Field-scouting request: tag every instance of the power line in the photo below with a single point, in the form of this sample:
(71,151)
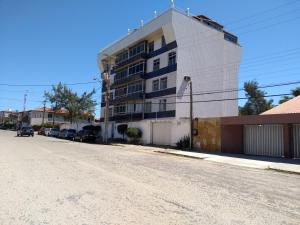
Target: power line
(229,90)
(265,19)
(262,12)
(45,85)
(211,100)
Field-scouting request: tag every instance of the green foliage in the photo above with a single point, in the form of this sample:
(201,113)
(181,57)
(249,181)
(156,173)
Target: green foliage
(134,134)
(256,102)
(46,125)
(122,128)
(78,106)
(183,143)
(294,92)
(9,126)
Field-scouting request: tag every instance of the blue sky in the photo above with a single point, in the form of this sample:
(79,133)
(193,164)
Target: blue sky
(44,42)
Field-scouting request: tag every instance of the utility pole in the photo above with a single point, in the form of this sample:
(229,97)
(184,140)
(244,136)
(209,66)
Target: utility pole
(188,79)
(24,107)
(191,116)
(44,109)
(105,77)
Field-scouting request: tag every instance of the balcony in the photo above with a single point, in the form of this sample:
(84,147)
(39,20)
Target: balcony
(128,79)
(128,97)
(140,56)
(162,114)
(127,117)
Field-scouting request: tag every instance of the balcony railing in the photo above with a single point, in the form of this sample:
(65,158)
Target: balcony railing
(128,97)
(127,117)
(130,60)
(128,79)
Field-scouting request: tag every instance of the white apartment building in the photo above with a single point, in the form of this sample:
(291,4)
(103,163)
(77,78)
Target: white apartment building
(147,72)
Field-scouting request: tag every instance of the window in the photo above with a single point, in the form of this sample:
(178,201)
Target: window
(134,107)
(151,47)
(155,85)
(120,109)
(135,87)
(136,68)
(121,57)
(163,41)
(172,58)
(148,107)
(156,63)
(121,74)
(49,115)
(162,105)
(140,48)
(163,83)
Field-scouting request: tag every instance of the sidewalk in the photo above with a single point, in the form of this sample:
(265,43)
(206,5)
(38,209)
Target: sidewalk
(257,162)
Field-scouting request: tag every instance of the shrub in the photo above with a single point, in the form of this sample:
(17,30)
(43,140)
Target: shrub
(183,143)
(134,134)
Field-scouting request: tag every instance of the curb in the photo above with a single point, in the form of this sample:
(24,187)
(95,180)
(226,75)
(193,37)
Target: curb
(254,167)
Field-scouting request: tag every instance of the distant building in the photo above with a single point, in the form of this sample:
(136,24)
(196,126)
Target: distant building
(147,80)
(8,116)
(39,116)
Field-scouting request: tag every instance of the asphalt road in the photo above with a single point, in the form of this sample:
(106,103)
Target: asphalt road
(50,181)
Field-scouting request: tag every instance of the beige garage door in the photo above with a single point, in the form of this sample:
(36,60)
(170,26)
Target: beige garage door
(296,140)
(266,140)
(161,133)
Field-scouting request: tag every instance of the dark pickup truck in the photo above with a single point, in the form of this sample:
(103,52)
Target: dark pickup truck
(25,131)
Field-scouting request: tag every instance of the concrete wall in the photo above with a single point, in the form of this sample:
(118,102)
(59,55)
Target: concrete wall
(179,128)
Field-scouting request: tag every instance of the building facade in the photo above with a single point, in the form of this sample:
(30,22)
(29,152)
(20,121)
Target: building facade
(39,116)
(147,70)
(8,116)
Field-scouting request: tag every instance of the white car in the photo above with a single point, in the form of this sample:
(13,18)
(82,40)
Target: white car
(47,131)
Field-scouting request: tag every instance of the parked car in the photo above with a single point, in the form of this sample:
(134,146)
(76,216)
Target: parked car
(62,133)
(2,127)
(47,131)
(85,136)
(28,131)
(54,132)
(41,131)
(70,134)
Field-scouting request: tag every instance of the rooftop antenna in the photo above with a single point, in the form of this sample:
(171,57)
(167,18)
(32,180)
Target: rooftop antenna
(172,4)
(142,23)
(155,13)
(188,11)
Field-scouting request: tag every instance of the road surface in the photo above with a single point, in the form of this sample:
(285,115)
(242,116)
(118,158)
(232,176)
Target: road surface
(50,181)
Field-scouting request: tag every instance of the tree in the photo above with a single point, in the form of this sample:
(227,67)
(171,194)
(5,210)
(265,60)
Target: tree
(122,128)
(294,92)
(256,102)
(78,107)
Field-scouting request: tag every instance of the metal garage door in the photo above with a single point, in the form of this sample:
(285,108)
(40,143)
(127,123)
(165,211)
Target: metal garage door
(266,140)
(296,140)
(161,133)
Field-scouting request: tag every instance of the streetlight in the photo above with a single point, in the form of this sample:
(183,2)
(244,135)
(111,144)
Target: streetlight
(189,81)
